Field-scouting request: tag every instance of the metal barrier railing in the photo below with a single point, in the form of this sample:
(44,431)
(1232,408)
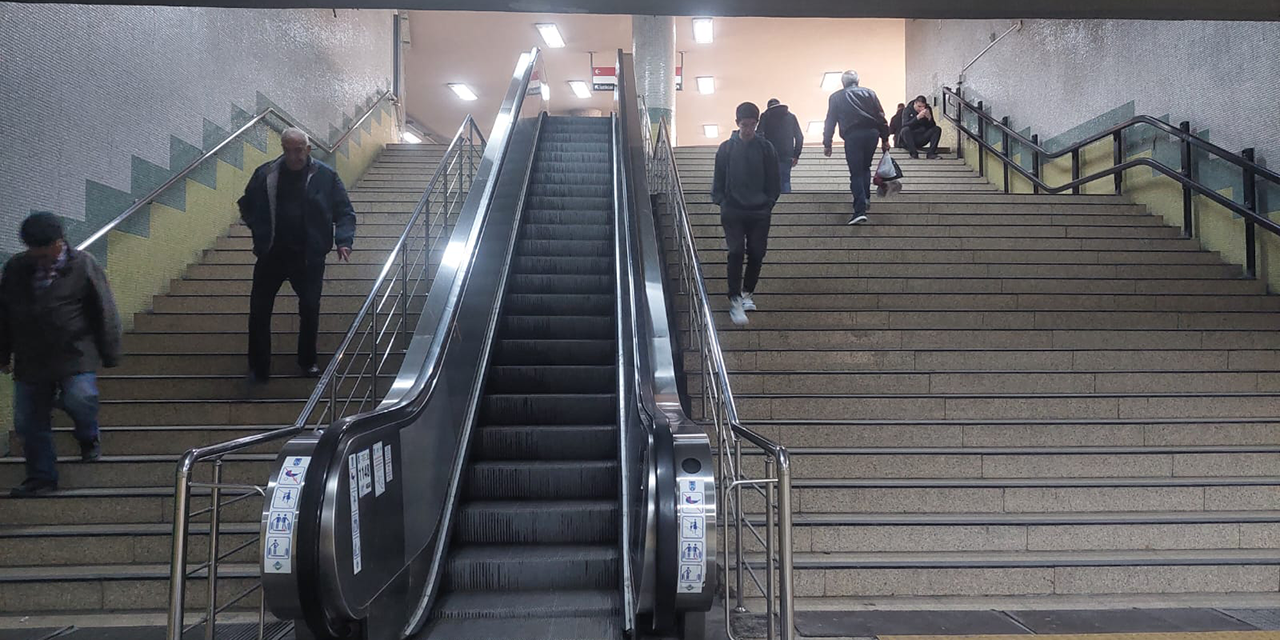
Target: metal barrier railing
(350,384)
(718,412)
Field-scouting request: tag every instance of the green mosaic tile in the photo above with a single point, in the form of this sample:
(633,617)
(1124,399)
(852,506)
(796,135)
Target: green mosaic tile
(255,137)
(146,177)
(181,155)
(232,154)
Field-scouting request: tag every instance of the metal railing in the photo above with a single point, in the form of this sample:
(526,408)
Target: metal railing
(350,383)
(718,412)
(955,109)
(150,198)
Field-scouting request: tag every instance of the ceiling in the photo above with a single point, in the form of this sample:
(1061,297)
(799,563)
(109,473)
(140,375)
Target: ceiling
(1121,9)
(751,59)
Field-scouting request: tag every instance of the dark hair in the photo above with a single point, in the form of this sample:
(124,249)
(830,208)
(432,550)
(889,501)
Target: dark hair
(41,229)
(922,99)
(747,111)
(901,105)
(773,102)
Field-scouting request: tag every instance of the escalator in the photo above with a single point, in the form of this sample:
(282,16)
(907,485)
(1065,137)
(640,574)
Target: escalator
(536,552)
(530,474)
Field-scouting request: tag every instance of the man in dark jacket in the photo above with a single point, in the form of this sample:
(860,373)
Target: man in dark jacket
(297,210)
(861,119)
(782,129)
(746,186)
(919,129)
(58,324)
(895,125)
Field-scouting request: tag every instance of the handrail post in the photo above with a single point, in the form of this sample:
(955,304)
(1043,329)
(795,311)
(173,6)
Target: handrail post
(1188,223)
(1035,163)
(1117,153)
(1004,151)
(1250,228)
(1075,170)
(787,592)
(215,506)
(769,563)
(178,559)
(982,137)
(959,122)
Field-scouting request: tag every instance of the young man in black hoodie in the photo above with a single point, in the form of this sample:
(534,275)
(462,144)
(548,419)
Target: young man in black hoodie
(782,129)
(746,186)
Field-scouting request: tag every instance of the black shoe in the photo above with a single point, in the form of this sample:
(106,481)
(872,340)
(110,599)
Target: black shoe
(311,372)
(932,156)
(915,156)
(90,450)
(34,489)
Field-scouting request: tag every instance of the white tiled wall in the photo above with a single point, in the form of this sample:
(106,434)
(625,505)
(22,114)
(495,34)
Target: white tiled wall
(83,89)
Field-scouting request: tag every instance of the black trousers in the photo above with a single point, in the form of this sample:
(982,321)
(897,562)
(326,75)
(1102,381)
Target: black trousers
(859,151)
(914,141)
(747,234)
(307,279)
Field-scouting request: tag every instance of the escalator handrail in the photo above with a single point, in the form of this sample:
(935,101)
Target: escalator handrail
(408,394)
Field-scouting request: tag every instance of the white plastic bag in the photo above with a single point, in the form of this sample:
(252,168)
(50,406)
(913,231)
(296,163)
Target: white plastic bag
(888,169)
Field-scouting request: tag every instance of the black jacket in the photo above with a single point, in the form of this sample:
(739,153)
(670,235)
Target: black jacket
(911,120)
(746,177)
(781,127)
(853,108)
(71,327)
(328,217)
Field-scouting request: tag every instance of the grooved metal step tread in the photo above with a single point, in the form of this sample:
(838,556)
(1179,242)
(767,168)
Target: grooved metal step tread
(1034,519)
(534,628)
(516,604)
(514,552)
(969,560)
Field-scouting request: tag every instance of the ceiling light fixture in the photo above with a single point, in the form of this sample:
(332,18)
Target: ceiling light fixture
(463,91)
(409,137)
(816,127)
(831,80)
(711,130)
(703,32)
(706,85)
(580,89)
(551,35)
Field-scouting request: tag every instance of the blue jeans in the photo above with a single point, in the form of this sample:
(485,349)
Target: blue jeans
(33,404)
(859,150)
(784,171)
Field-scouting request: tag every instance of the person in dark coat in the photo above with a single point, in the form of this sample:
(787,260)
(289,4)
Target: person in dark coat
(746,185)
(58,325)
(858,112)
(919,129)
(782,129)
(895,125)
(297,210)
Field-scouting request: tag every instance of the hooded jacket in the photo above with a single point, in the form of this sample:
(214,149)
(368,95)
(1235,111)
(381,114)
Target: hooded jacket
(781,127)
(328,218)
(68,328)
(746,179)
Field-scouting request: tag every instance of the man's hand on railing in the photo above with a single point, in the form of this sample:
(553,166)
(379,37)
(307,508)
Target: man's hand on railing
(344,254)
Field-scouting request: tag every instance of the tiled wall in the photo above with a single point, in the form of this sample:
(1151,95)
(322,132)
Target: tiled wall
(1068,79)
(102,104)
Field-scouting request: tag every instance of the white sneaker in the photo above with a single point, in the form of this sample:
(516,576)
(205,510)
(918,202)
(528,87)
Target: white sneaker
(736,313)
(748,302)
(857,219)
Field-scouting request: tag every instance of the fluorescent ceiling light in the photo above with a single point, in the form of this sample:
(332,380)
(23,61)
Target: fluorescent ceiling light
(580,89)
(551,35)
(706,85)
(711,130)
(546,92)
(703,33)
(463,91)
(408,136)
(831,80)
(816,126)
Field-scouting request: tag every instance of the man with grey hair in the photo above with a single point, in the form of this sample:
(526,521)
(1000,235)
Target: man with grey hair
(297,210)
(861,118)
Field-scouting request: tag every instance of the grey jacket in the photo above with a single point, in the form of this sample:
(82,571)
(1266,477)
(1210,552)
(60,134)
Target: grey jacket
(71,327)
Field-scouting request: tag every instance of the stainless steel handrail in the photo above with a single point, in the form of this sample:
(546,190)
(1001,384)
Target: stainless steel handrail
(461,153)
(718,407)
(150,198)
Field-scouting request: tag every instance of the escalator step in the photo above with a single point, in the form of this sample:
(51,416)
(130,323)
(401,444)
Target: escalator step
(545,216)
(569,248)
(557,146)
(582,173)
(549,409)
(559,304)
(577,351)
(547,442)
(533,567)
(575,232)
(551,379)
(543,480)
(529,604)
(572,191)
(598,138)
(538,522)
(585,283)
(592,161)
(557,328)
(597,203)
(551,628)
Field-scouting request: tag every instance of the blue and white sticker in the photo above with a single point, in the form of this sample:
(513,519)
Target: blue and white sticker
(277,551)
(386,453)
(365,468)
(693,536)
(379,471)
(354,482)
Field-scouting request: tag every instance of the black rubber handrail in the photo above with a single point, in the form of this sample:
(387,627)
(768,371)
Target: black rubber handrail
(1183,175)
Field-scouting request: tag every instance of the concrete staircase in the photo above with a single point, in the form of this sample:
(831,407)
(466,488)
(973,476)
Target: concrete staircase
(1007,399)
(103,542)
